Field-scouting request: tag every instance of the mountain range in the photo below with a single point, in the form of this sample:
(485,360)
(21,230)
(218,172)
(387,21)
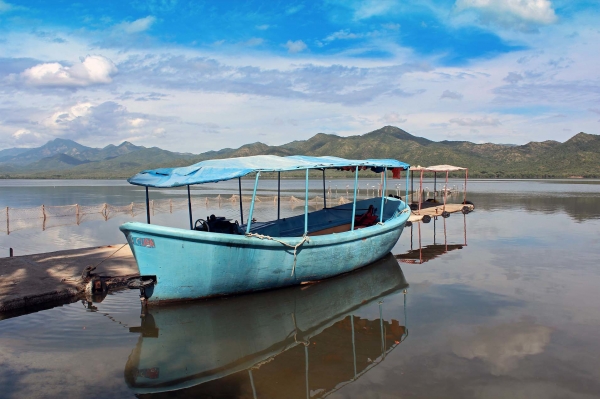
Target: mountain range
(61,158)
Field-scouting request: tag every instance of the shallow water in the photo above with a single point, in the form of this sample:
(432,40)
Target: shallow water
(513,313)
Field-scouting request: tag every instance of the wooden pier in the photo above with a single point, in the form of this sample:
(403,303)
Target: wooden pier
(433,211)
(56,277)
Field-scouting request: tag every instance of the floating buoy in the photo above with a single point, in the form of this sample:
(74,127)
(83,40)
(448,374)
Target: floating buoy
(465,210)
(426,219)
(445,214)
(408,224)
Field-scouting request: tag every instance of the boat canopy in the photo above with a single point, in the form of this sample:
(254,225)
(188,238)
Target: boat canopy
(443,168)
(216,170)
(437,168)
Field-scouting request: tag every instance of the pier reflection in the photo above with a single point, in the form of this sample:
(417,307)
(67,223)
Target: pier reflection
(425,253)
(299,342)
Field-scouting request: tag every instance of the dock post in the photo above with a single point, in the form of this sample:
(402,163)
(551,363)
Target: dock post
(10,252)
(7,222)
(77,214)
(278,195)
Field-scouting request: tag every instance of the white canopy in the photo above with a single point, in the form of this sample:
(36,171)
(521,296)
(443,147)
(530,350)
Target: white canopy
(442,168)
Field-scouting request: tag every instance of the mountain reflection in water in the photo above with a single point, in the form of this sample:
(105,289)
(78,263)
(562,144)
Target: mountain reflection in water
(297,342)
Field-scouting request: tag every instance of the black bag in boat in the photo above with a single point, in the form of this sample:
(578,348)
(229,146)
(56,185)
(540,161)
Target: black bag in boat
(217,224)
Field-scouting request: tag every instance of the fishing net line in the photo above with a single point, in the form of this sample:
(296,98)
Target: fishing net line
(265,208)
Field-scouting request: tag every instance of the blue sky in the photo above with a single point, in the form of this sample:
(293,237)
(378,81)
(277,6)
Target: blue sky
(196,76)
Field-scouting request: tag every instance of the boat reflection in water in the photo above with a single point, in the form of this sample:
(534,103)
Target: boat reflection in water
(296,342)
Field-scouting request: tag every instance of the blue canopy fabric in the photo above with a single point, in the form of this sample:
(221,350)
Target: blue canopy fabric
(216,170)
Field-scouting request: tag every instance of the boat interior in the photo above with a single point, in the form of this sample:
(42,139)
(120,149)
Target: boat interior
(329,220)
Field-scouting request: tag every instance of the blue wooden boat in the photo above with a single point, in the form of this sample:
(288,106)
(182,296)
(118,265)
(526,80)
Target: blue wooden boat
(271,344)
(215,258)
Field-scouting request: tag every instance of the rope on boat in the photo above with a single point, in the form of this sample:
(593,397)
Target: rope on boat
(305,238)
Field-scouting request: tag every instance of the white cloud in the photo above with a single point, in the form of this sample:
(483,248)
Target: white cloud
(371,8)
(391,26)
(502,346)
(137,26)
(392,117)
(95,69)
(518,14)
(24,137)
(255,41)
(5,7)
(343,34)
(295,47)
(263,27)
(485,121)
(452,95)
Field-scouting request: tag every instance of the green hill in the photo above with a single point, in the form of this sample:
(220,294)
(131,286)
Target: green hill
(578,156)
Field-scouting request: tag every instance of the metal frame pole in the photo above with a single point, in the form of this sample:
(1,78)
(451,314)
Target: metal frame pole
(147,206)
(353,343)
(324,191)
(252,383)
(412,185)
(278,195)
(383,194)
(190,208)
(446,191)
(434,184)
(407,176)
(241,207)
(306,205)
(249,224)
(354,202)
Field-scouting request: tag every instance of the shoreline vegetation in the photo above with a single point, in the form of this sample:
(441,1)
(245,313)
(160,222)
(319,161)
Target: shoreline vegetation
(576,158)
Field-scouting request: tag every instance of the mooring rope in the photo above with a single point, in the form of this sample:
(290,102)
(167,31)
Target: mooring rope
(109,256)
(305,238)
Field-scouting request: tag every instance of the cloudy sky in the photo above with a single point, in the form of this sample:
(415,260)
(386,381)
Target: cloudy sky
(201,75)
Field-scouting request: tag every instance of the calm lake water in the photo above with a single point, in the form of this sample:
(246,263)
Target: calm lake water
(503,302)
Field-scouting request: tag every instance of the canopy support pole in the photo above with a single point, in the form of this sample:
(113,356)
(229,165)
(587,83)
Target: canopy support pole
(306,205)
(466,176)
(353,343)
(306,362)
(252,383)
(190,208)
(382,333)
(406,197)
(147,206)
(324,191)
(420,191)
(241,207)
(412,185)
(446,192)
(354,202)
(249,224)
(383,194)
(434,184)
(278,195)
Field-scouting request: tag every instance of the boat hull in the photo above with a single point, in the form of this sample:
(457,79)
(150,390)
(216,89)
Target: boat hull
(191,264)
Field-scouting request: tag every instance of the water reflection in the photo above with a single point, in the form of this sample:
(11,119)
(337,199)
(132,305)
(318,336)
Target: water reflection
(299,342)
(425,253)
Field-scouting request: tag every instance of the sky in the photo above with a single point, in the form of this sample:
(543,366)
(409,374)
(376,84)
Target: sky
(204,75)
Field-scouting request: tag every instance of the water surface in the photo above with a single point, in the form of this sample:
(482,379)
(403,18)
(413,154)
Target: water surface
(502,302)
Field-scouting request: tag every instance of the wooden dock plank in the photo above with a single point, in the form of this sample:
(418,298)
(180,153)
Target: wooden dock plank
(33,280)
